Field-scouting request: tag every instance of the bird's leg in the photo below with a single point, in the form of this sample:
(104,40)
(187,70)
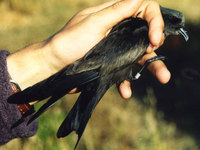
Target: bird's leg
(138,74)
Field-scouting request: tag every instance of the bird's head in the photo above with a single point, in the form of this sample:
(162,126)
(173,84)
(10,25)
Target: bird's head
(174,22)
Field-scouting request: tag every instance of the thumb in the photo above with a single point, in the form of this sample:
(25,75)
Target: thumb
(110,16)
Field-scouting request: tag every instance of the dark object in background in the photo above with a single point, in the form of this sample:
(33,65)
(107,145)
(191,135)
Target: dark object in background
(111,61)
(179,100)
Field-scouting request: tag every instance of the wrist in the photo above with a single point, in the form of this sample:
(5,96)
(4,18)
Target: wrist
(27,66)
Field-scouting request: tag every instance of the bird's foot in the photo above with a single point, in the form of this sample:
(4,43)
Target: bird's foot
(138,74)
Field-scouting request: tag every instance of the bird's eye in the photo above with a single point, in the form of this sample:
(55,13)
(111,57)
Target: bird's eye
(175,20)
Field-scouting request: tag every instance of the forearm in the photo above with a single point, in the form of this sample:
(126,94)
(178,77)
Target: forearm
(38,61)
(31,64)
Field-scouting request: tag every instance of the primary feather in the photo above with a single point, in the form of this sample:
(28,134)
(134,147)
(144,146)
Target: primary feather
(111,61)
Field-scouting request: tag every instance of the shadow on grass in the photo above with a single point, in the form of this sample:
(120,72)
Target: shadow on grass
(179,100)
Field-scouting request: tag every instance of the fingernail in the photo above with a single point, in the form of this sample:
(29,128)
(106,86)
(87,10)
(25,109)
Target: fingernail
(140,61)
(126,90)
(127,93)
(151,48)
(155,48)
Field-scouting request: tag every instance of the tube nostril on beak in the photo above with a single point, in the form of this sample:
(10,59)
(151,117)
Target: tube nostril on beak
(184,33)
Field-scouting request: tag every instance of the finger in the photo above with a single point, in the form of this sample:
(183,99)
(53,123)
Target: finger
(97,8)
(81,15)
(152,48)
(156,24)
(158,68)
(150,11)
(125,89)
(73,91)
(34,102)
(113,14)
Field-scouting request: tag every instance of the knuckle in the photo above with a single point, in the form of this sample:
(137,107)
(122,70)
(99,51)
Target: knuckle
(115,6)
(153,6)
(92,16)
(162,24)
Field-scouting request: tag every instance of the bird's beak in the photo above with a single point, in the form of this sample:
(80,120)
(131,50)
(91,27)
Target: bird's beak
(184,33)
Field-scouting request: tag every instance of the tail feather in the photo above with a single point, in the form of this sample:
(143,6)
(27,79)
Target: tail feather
(42,109)
(81,112)
(85,78)
(72,121)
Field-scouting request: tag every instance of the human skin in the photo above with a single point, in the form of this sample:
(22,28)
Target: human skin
(36,62)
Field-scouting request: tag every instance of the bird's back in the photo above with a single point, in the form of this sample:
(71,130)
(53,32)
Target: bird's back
(125,44)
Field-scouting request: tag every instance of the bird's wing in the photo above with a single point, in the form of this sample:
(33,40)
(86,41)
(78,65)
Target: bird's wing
(81,112)
(55,87)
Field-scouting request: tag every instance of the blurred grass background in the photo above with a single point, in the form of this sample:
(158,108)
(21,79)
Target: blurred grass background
(134,124)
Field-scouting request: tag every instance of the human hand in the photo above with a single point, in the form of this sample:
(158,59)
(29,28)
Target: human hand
(91,25)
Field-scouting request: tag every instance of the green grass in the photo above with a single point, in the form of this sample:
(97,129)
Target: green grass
(116,124)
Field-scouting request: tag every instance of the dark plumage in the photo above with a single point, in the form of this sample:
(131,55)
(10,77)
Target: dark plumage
(111,61)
